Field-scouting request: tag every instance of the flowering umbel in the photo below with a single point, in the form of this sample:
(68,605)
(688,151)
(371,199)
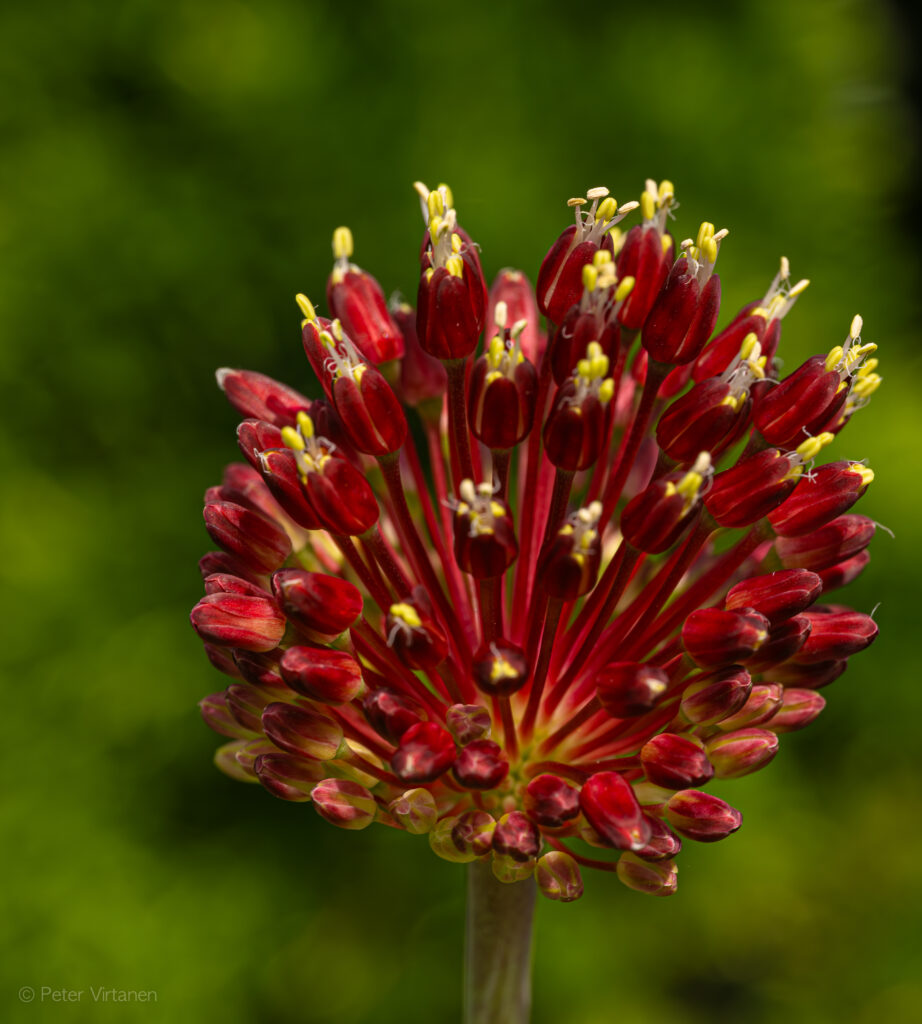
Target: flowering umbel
(592,591)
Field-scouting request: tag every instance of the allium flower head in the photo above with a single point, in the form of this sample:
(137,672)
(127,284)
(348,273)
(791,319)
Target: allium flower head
(535,626)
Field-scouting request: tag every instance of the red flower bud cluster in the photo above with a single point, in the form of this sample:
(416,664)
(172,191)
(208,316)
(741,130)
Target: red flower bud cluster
(536,640)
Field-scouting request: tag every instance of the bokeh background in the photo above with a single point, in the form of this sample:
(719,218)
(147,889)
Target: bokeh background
(170,176)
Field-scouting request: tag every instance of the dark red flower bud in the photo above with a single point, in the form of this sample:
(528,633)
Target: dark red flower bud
(234,620)
(646,258)
(243,485)
(843,573)
(502,394)
(413,632)
(217,716)
(810,677)
(328,676)
(305,733)
(516,836)
(749,490)
(575,429)
(250,536)
(221,562)
(550,801)
(763,703)
(800,405)
(245,755)
(260,397)
(799,709)
(468,722)
(426,751)
(422,377)
(279,468)
(836,541)
(663,841)
(500,669)
(255,436)
(742,752)
(355,298)
(287,777)
(682,316)
(558,877)
(480,765)
(226,583)
(675,762)
(783,642)
(725,346)
(390,714)
(485,544)
(316,603)
(246,704)
(653,878)
(369,410)
(836,635)
(627,689)
(344,803)
(656,518)
(714,638)
(568,565)
(702,817)
(262,670)
(717,696)
(711,418)
(820,496)
(222,660)
(514,289)
(608,801)
(776,595)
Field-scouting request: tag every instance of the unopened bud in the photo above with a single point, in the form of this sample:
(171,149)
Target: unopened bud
(654,878)
(742,752)
(716,696)
(468,722)
(627,689)
(714,638)
(426,751)
(516,836)
(550,801)
(558,877)
(416,810)
(287,777)
(480,765)
(675,762)
(610,806)
(799,708)
(250,536)
(344,803)
(302,732)
(500,668)
(701,816)
(836,635)
(316,602)
(325,675)
(776,595)
(390,713)
(761,706)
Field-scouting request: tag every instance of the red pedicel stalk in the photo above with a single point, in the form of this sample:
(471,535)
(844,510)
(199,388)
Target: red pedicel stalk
(560,639)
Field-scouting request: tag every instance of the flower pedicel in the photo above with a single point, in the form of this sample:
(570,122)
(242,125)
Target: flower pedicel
(522,640)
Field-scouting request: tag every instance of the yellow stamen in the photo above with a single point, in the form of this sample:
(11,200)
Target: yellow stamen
(406,613)
(306,306)
(342,243)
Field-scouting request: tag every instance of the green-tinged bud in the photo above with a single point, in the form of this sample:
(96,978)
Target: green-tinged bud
(473,832)
(558,877)
(652,798)
(288,777)
(344,803)
(343,769)
(468,722)
(443,845)
(742,752)
(416,811)
(248,753)
(225,759)
(507,870)
(655,878)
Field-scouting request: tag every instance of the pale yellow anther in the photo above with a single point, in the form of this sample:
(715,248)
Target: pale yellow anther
(856,354)
(337,328)
(648,205)
(868,368)
(785,271)
(732,400)
(709,250)
(670,489)
(306,306)
(435,227)
(689,485)
(467,491)
(455,266)
(326,339)
(607,209)
(666,191)
(501,669)
(456,242)
(834,358)
(407,614)
(625,287)
(597,193)
(497,510)
(749,346)
(864,387)
(606,391)
(446,191)
(305,424)
(292,439)
(810,448)
(590,276)
(497,351)
(500,314)
(576,201)
(865,472)
(588,539)
(436,206)
(601,257)
(428,273)
(798,288)
(705,232)
(721,235)
(342,243)
(855,330)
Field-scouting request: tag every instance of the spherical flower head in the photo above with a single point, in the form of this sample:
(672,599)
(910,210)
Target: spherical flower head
(535,626)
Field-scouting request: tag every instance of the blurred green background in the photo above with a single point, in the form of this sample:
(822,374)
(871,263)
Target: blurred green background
(170,177)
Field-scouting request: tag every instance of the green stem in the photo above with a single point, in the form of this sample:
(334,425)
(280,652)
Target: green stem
(497,962)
